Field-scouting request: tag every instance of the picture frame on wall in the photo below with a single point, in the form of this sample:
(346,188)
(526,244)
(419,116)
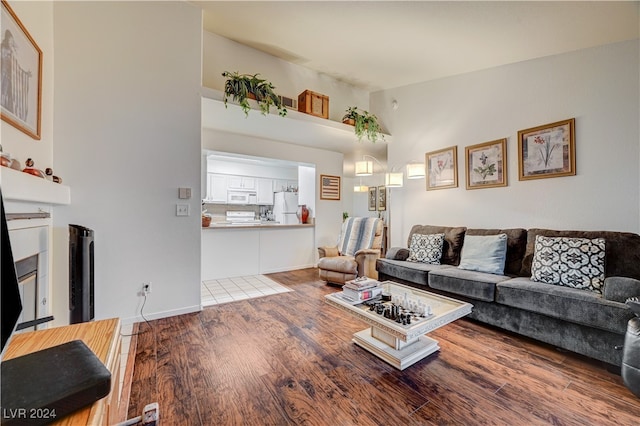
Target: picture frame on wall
(442,168)
(486,165)
(329,187)
(547,151)
(21,75)
(382,198)
(372,198)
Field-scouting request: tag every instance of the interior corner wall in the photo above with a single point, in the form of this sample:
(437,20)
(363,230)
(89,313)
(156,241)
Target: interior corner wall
(37,18)
(599,87)
(127,131)
(221,54)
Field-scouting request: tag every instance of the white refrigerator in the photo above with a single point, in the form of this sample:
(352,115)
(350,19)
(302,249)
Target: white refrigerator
(285,206)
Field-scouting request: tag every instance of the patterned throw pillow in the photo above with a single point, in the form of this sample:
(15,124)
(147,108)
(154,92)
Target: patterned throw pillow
(426,248)
(572,262)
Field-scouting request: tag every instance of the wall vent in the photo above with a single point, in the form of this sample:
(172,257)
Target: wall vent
(289,103)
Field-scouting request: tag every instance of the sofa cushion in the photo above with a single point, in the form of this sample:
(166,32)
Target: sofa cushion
(570,304)
(484,253)
(619,289)
(453,238)
(408,271)
(622,250)
(516,245)
(571,262)
(476,285)
(426,248)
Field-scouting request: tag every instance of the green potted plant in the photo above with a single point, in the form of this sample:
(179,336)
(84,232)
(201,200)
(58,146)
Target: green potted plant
(364,124)
(242,87)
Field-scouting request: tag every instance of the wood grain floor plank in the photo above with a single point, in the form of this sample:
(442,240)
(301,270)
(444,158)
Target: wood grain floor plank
(288,359)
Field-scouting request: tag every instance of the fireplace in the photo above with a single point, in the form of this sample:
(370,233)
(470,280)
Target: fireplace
(31,255)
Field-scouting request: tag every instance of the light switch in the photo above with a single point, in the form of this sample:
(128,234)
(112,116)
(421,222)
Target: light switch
(184,193)
(182,209)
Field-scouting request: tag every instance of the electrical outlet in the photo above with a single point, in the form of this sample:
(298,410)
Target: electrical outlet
(146,288)
(182,210)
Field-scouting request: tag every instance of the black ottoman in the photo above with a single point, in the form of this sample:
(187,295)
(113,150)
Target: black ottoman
(631,357)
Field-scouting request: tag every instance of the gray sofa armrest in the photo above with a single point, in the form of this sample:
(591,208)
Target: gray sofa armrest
(619,289)
(397,253)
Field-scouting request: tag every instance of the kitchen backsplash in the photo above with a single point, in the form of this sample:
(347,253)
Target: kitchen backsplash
(218,212)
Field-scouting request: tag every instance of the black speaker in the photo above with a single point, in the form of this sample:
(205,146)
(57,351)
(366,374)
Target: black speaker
(81,291)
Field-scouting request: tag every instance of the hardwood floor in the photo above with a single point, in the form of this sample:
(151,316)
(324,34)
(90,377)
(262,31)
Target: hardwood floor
(288,359)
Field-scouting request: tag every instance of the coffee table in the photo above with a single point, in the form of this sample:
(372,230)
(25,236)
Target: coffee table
(397,344)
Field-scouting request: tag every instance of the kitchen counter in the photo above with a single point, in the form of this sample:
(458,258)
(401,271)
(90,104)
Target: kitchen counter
(232,250)
(257,225)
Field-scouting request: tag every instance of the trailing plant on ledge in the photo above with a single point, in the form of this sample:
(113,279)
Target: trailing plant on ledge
(364,124)
(242,87)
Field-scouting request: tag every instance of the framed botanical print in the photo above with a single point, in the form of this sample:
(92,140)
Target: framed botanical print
(373,198)
(382,198)
(547,151)
(442,168)
(486,165)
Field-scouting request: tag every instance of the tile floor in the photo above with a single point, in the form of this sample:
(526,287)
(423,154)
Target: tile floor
(231,289)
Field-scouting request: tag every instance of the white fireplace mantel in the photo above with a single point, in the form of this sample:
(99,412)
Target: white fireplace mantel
(20,186)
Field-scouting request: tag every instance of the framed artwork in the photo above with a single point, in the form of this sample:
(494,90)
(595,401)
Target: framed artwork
(21,75)
(547,151)
(486,165)
(382,198)
(329,187)
(442,168)
(373,198)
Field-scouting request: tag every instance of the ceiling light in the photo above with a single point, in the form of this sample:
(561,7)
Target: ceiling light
(393,180)
(415,171)
(364,168)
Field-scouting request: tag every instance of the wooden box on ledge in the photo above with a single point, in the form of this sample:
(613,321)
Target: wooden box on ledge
(313,103)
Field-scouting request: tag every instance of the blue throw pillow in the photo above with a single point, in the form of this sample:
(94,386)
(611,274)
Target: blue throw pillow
(484,253)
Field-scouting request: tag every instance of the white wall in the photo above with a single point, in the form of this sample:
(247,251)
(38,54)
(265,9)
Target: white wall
(221,54)
(328,213)
(599,87)
(127,132)
(37,18)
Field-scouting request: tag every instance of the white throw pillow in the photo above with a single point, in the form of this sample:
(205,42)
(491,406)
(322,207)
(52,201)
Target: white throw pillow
(484,253)
(426,248)
(572,262)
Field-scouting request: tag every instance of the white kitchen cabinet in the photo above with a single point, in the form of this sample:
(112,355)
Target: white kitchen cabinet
(241,182)
(217,188)
(264,189)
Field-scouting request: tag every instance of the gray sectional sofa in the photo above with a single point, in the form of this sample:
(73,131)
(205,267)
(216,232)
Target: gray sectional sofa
(587,322)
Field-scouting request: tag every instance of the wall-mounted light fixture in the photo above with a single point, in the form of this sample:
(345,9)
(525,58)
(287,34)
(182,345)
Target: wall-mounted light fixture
(415,171)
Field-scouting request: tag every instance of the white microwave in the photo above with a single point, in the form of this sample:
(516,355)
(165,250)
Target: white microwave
(241,197)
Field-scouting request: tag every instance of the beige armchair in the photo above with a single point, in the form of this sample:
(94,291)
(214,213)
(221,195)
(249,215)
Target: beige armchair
(356,253)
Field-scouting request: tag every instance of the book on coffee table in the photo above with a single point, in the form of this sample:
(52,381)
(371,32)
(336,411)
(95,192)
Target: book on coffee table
(360,296)
(361,283)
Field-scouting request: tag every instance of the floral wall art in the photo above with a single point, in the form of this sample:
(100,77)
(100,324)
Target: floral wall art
(485,164)
(547,151)
(442,168)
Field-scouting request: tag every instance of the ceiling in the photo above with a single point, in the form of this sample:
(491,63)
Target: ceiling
(385,44)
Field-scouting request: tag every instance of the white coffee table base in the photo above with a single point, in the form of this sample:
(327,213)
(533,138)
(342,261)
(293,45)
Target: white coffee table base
(396,352)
